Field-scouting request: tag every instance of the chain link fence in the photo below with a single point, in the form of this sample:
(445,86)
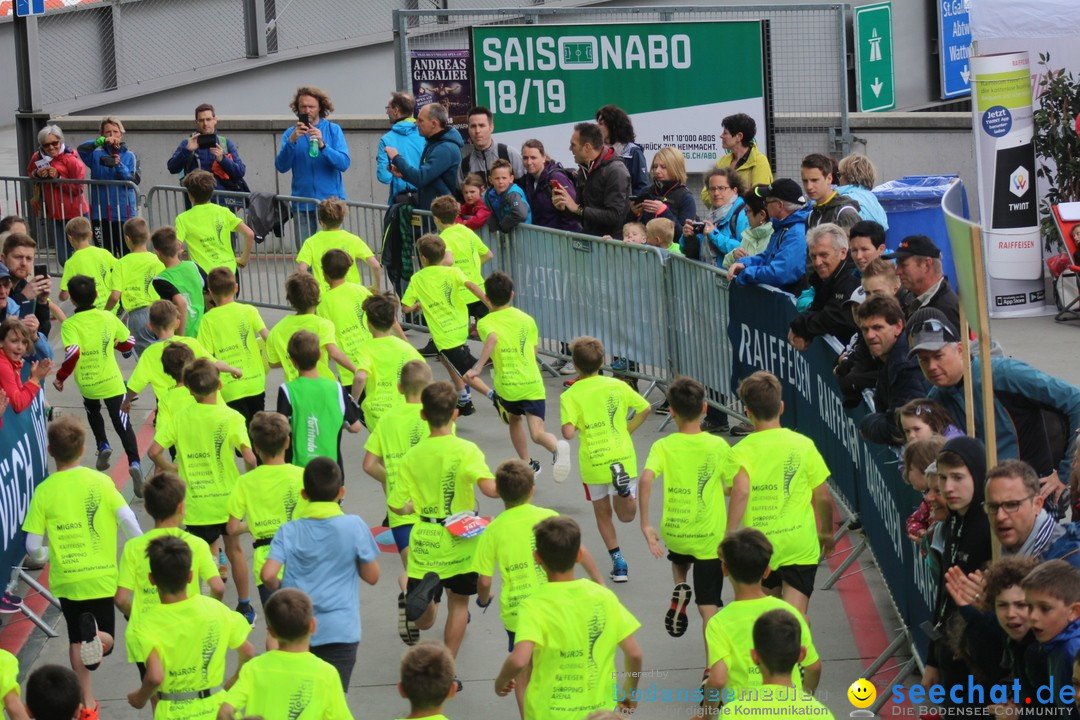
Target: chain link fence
(808,95)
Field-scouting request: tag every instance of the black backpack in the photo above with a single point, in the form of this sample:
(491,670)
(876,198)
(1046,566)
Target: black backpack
(501,151)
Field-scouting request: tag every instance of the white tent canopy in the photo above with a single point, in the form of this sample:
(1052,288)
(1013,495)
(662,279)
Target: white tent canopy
(1009,19)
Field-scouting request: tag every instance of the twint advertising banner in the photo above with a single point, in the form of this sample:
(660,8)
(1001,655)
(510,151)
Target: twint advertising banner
(539,80)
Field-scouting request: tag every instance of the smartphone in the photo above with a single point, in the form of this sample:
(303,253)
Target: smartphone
(27,307)
(41,270)
(556,185)
(302,117)
(638,199)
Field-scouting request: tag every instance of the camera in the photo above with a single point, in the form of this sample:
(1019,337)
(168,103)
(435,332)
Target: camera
(207,141)
(698,227)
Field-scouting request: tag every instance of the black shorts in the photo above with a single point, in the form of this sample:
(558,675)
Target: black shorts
(209,533)
(248,406)
(708,578)
(477,310)
(800,577)
(525,407)
(460,358)
(462,584)
(102,609)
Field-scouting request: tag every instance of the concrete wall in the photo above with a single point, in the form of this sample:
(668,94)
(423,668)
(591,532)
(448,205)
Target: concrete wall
(898,143)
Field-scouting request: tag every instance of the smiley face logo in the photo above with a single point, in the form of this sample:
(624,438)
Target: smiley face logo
(862,693)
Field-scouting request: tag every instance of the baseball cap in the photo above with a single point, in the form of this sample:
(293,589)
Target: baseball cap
(4,272)
(857,297)
(930,329)
(914,245)
(783,189)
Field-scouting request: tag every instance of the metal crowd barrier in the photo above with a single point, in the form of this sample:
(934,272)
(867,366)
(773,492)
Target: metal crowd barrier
(42,202)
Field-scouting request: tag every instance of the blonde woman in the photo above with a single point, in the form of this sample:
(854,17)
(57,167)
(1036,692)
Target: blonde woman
(667,197)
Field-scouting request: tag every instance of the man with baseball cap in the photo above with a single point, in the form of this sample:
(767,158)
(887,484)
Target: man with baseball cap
(1036,415)
(783,262)
(918,265)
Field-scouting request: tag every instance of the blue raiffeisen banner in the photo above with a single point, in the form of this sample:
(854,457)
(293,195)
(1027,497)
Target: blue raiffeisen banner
(865,474)
(23,464)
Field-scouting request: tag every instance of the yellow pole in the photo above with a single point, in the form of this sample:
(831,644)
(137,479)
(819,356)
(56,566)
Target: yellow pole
(985,366)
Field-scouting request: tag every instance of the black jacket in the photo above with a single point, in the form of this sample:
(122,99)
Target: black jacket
(944,300)
(603,191)
(899,380)
(827,314)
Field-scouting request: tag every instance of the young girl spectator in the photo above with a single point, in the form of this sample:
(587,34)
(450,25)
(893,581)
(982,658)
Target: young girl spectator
(923,418)
(759,230)
(917,457)
(473,213)
(15,342)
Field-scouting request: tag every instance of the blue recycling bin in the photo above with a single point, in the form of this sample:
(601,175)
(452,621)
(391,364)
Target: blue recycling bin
(913,205)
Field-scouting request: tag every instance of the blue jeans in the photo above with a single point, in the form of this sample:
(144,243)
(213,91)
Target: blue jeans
(305,224)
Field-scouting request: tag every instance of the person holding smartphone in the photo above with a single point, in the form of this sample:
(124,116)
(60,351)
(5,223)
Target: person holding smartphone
(206,149)
(30,283)
(108,158)
(314,151)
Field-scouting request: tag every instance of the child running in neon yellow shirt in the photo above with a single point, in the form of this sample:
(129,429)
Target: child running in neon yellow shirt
(507,544)
(697,470)
(80,510)
(206,228)
(302,293)
(206,435)
(234,333)
(89,260)
(428,680)
(9,687)
(569,630)
(436,289)
(332,212)
(288,676)
(468,251)
(266,498)
(184,640)
(380,359)
(135,594)
(438,480)
(510,338)
(384,449)
(90,337)
(341,302)
(789,497)
(596,408)
(132,282)
(729,635)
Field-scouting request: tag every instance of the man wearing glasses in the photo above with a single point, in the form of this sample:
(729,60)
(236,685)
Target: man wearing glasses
(1022,526)
(405,137)
(783,262)
(1037,416)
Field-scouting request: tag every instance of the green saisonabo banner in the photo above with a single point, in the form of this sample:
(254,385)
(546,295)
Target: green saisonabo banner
(539,80)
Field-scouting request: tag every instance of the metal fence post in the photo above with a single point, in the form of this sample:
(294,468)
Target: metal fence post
(401,51)
(255,28)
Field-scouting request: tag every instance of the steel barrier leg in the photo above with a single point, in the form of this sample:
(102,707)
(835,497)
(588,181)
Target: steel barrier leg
(904,638)
(38,588)
(34,618)
(848,562)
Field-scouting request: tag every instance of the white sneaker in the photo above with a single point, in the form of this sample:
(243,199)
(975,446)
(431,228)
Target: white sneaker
(568,368)
(561,462)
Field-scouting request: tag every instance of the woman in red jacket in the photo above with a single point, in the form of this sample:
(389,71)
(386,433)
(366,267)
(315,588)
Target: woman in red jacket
(14,343)
(56,203)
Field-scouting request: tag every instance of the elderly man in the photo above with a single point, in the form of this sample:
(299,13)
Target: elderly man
(437,172)
(1036,415)
(782,263)
(918,265)
(404,137)
(603,184)
(482,151)
(899,379)
(835,279)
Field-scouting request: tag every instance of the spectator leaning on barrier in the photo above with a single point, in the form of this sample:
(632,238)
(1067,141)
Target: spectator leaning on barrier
(207,150)
(541,176)
(782,263)
(1017,517)
(108,158)
(759,228)
(19,253)
(1036,415)
(315,152)
(743,155)
(726,221)
(437,172)
(603,184)
(829,206)
(405,137)
(618,132)
(667,196)
(859,176)
(866,243)
(481,152)
(918,265)
(56,203)
(835,279)
(899,379)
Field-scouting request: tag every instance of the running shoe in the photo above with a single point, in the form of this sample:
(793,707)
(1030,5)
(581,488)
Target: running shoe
(662,409)
(90,650)
(247,611)
(135,471)
(561,461)
(568,383)
(409,633)
(10,603)
(89,713)
(676,621)
(620,479)
(465,408)
(103,454)
(567,368)
(429,350)
(418,598)
(497,402)
(742,430)
(710,425)
(620,573)
(619,364)
(535,468)
(223,565)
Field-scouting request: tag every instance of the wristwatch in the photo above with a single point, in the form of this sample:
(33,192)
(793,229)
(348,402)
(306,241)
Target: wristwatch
(580,211)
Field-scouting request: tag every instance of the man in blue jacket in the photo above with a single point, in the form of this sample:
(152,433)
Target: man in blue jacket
(1036,415)
(191,155)
(314,151)
(438,169)
(404,137)
(783,262)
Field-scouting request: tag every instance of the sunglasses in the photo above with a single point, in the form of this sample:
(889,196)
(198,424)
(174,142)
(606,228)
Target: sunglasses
(50,144)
